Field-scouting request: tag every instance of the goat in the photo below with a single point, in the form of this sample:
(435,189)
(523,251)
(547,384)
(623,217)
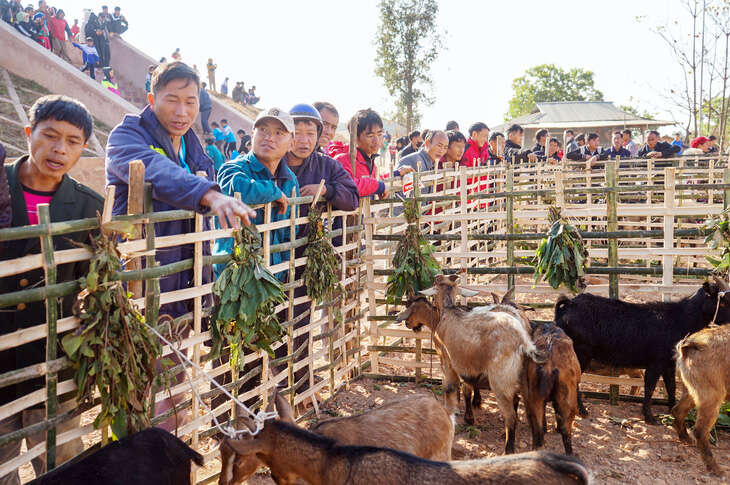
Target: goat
(703,363)
(639,335)
(556,379)
(152,456)
(471,344)
(291,452)
(418,425)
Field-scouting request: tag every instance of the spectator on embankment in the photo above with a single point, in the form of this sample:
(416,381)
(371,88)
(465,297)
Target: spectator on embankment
(89,55)
(59,28)
(205,108)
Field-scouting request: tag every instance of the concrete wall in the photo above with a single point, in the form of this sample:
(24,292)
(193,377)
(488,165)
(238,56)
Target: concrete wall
(28,59)
(130,66)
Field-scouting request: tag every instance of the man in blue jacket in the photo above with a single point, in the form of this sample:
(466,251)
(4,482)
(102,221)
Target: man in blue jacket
(262,176)
(205,107)
(162,138)
(311,166)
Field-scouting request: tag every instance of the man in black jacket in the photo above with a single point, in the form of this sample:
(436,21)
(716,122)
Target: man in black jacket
(415,143)
(58,131)
(590,152)
(653,148)
(513,151)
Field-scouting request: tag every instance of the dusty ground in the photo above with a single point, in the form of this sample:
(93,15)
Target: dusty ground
(613,442)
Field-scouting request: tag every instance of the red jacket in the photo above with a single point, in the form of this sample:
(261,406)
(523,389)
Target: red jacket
(57,27)
(476,157)
(366,172)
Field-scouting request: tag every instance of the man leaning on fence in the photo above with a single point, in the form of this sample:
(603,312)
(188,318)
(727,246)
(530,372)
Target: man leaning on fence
(161,136)
(58,130)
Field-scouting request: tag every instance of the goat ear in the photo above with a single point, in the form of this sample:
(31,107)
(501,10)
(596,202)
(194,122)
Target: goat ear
(284,409)
(244,420)
(404,315)
(466,292)
(429,291)
(454,278)
(439,278)
(245,447)
(509,296)
(495,298)
(707,287)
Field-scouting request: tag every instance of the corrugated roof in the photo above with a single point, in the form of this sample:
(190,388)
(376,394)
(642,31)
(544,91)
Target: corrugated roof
(581,113)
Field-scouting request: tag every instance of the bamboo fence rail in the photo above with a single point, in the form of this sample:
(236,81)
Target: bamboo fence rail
(641,221)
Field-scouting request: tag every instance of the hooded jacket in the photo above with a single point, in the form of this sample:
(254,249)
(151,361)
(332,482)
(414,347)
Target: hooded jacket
(142,137)
(514,153)
(250,178)
(366,172)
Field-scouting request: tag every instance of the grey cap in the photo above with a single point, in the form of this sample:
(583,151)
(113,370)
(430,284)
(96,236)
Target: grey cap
(276,114)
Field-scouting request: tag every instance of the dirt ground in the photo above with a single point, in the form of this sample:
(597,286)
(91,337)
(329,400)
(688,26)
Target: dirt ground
(613,441)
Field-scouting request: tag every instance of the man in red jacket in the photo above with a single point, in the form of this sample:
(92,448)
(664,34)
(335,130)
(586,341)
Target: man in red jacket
(476,153)
(369,141)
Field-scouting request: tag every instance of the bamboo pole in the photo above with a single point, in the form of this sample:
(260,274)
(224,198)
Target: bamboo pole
(197,307)
(667,260)
(135,206)
(510,226)
(369,228)
(726,192)
(612,225)
(49,268)
(290,306)
(417,193)
(464,225)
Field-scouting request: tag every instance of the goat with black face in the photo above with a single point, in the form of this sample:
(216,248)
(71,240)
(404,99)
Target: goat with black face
(640,335)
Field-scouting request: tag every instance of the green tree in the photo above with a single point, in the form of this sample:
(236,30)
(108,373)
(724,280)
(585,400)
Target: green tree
(408,42)
(547,82)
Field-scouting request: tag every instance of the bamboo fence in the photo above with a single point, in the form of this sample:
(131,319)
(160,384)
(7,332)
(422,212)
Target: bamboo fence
(334,351)
(641,221)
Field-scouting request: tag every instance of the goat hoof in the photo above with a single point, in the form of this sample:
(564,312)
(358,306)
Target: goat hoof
(650,419)
(469,419)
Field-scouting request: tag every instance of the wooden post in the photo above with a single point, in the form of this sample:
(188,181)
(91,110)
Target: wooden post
(197,305)
(464,225)
(559,189)
(417,194)
(290,311)
(372,307)
(49,268)
(135,205)
(726,192)
(343,299)
(152,286)
(510,226)
(667,260)
(612,225)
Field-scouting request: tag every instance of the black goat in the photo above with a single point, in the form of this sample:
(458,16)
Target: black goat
(639,335)
(152,456)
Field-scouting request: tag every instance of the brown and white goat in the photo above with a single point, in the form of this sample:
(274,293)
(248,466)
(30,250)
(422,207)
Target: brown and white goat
(418,425)
(554,380)
(291,452)
(474,343)
(703,363)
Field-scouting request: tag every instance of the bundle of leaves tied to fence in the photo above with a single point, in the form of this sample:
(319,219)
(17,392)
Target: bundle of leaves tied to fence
(247,296)
(561,256)
(718,237)
(414,267)
(113,351)
(320,273)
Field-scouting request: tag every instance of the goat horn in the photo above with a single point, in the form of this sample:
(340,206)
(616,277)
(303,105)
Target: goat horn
(428,292)
(467,292)
(721,283)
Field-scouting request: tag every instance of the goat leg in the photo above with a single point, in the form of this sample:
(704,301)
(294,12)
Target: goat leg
(477,401)
(670,383)
(706,416)
(651,377)
(468,394)
(564,417)
(679,412)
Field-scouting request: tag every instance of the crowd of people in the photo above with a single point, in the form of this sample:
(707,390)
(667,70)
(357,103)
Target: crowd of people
(48,27)
(485,147)
(288,153)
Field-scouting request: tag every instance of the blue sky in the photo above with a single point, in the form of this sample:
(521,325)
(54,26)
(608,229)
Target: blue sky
(297,51)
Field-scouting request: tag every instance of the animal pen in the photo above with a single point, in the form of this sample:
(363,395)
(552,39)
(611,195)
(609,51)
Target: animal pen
(641,220)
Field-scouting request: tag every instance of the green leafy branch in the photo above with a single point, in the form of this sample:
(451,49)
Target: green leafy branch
(561,256)
(320,274)
(247,295)
(113,351)
(414,264)
(719,238)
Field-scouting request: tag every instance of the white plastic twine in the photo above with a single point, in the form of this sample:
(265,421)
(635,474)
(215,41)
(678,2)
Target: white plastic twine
(229,431)
(720,295)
